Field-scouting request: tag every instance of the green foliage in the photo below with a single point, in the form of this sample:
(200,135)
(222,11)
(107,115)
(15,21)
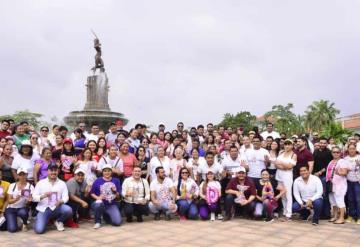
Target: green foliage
(319,115)
(26,115)
(243,118)
(286,121)
(336,131)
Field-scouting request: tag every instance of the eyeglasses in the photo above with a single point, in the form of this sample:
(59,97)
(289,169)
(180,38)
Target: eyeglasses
(181,126)
(184,173)
(335,152)
(34,138)
(45,130)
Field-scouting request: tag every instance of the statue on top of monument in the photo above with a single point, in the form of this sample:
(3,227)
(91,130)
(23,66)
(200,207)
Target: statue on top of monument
(99,63)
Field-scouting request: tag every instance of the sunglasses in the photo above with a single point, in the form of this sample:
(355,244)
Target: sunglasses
(180,126)
(44,130)
(335,152)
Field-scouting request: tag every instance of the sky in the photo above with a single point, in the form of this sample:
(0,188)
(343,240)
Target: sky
(190,61)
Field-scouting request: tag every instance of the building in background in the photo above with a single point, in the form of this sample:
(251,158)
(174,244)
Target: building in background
(351,122)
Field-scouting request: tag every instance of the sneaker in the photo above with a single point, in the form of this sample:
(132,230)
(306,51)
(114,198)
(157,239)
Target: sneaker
(71,223)
(315,223)
(97,226)
(349,219)
(59,226)
(269,220)
(139,219)
(157,216)
(24,228)
(212,216)
(358,222)
(220,217)
(183,218)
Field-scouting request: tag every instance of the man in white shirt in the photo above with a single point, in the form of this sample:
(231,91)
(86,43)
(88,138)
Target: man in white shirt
(112,135)
(136,193)
(257,159)
(308,192)
(163,195)
(270,132)
(51,194)
(210,164)
(94,135)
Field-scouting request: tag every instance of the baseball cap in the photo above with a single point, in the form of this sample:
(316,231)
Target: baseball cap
(26,143)
(106,166)
(21,170)
(79,170)
(68,140)
(240,169)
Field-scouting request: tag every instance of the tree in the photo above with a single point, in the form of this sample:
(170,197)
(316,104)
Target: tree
(26,115)
(243,118)
(336,131)
(319,115)
(285,120)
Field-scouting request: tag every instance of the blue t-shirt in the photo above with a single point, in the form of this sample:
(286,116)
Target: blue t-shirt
(103,187)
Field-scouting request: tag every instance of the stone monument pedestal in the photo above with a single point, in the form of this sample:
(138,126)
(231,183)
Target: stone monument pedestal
(97,108)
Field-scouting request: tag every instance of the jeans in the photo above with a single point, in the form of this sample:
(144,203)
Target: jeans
(138,210)
(317,207)
(325,213)
(78,209)
(157,209)
(353,199)
(187,208)
(61,214)
(11,214)
(248,209)
(205,209)
(112,212)
(265,208)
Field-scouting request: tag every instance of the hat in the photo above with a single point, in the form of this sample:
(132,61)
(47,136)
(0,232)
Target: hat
(210,171)
(294,136)
(26,143)
(252,132)
(52,166)
(21,170)
(68,140)
(106,166)
(315,134)
(288,142)
(79,170)
(240,169)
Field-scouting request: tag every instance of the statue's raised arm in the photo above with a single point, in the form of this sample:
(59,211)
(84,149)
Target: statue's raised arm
(99,63)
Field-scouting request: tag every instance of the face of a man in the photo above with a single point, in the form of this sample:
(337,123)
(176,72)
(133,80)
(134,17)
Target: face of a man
(20,130)
(300,143)
(180,127)
(269,128)
(136,173)
(113,152)
(210,128)
(113,128)
(5,126)
(304,172)
(234,153)
(256,143)
(241,176)
(323,144)
(161,174)
(95,130)
(53,173)
(80,177)
(82,126)
(200,131)
(209,159)
(246,141)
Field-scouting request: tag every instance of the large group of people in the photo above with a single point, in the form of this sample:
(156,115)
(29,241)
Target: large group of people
(204,172)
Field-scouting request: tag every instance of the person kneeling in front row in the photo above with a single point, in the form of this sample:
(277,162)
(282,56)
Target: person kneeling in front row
(105,191)
(240,193)
(136,193)
(308,192)
(51,194)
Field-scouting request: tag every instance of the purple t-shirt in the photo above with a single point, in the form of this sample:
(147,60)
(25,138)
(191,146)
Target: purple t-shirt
(103,187)
(43,173)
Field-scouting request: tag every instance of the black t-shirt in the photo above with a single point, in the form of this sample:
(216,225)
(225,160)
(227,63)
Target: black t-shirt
(322,159)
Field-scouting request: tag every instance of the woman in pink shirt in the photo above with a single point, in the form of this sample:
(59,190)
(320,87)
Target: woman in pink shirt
(129,159)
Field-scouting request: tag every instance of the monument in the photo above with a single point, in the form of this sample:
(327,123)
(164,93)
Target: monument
(97,109)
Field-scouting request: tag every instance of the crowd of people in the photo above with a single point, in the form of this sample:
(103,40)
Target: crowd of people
(209,173)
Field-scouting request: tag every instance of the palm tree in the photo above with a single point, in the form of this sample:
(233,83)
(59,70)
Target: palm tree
(319,115)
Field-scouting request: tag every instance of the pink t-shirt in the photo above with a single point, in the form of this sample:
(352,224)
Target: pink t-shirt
(129,162)
(339,182)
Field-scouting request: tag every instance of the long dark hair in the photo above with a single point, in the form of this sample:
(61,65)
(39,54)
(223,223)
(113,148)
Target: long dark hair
(83,152)
(179,179)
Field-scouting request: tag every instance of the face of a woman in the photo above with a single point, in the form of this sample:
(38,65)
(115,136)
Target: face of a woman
(58,140)
(213,149)
(121,139)
(87,154)
(92,146)
(2,142)
(336,153)
(67,146)
(124,148)
(141,151)
(210,176)
(34,139)
(265,175)
(210,139)
(178,153)
(195,154)
(154,139)
(7,150)
(144,142)
(22,177)
(288,147)
(184,174)
(113,152)
(47,155)
(161,152)
(107,173)
(77,135)
(161,135)
(167,137)
(26,150)
(102,143)
(274,146)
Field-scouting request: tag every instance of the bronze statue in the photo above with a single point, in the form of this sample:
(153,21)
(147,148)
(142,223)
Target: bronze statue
(99,63)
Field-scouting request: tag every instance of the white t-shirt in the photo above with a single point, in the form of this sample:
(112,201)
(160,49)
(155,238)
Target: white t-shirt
(273,134)
(176,165)
(27,164)
(188,189)
(162,189)
(213,184)
(231,165)
(285,175)
(256,161)
(192,164)
(88,168)
(24,193)
(354,169)
(155,162)
(115,163)
(216,168)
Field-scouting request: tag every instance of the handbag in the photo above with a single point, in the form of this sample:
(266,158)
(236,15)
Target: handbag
(329,184)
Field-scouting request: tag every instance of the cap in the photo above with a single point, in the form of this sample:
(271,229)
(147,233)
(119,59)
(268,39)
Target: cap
(68,140)
(79,170)
(294,136)
(52,166)
(106,166)
(240,169)
(21,170)
(288,142)
(26,143)
(210,171)
(251,132)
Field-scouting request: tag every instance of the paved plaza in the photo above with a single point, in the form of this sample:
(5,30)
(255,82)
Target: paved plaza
(238,232)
